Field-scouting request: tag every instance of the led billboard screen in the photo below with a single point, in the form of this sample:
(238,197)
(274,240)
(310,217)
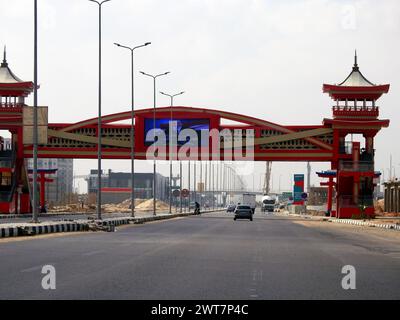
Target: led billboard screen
(195,124)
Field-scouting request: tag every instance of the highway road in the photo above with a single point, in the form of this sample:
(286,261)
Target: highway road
(207,257)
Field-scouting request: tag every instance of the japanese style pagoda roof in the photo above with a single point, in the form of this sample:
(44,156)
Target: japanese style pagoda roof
(355,86)
(10,84)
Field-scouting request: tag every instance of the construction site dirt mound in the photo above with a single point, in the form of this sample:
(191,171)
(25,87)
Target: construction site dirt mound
(122,207)
(379,206)
(149,203)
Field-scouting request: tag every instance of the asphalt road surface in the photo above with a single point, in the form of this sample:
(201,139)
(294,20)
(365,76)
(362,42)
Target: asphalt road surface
(207,257)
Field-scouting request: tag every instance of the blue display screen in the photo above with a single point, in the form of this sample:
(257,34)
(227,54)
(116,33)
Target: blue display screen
(195,124)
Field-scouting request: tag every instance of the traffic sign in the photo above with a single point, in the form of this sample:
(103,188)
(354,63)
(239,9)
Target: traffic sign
(176,193)
(185,193)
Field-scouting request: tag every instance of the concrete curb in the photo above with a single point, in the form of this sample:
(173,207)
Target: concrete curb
(304,216)
(29,230)
(8,232)
(81,225)
(390,226)
(29,215)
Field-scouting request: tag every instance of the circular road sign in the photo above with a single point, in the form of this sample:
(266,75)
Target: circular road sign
(176,193)
(185,193)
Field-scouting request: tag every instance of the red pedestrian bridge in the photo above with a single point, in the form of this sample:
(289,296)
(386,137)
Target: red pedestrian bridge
(352,173)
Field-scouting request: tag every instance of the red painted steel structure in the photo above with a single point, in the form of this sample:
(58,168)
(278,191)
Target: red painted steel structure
(42,179)
(355,112)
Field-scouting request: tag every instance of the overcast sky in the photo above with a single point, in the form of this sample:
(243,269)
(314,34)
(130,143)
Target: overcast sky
(266,59)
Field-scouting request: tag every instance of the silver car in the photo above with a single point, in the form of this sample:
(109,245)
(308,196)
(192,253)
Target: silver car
(243,212)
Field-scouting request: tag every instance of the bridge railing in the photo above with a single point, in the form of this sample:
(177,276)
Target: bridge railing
(11,105)
(360,111)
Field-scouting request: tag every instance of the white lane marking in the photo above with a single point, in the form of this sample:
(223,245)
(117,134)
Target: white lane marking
(91,253)
(36,267)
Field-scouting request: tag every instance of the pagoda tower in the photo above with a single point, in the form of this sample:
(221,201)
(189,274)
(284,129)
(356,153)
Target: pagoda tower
(14,188)
(355,112)
(13,90)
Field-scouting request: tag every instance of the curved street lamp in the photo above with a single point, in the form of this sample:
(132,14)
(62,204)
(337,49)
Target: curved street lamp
(171,96)
(131,49)
(154,127)
(98,207)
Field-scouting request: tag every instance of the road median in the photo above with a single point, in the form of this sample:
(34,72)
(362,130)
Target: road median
(70,225)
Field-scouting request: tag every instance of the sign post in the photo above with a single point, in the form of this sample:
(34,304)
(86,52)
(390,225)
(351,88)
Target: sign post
(298,189)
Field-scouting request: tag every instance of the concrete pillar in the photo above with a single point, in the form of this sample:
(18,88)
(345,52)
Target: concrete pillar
(330,188)
(391,208)
(386,198)
(355,190)
(369,145)
(342,144)
(398,198)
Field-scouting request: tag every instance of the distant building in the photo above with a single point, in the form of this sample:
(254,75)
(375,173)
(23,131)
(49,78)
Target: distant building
(318,196)
(58,191)
(116,186)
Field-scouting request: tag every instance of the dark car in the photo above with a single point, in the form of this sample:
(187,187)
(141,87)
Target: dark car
(243,212)
(231,208)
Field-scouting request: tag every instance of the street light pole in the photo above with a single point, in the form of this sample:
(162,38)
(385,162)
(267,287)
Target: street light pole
(189,185)
(180,185)
(132,136)
(205,182)
(195,181)
(213,184)
(154,132)
(171,96)
(98,207)
(35,120)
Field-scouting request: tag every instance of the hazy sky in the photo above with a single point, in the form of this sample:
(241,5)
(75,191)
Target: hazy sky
(267,59)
